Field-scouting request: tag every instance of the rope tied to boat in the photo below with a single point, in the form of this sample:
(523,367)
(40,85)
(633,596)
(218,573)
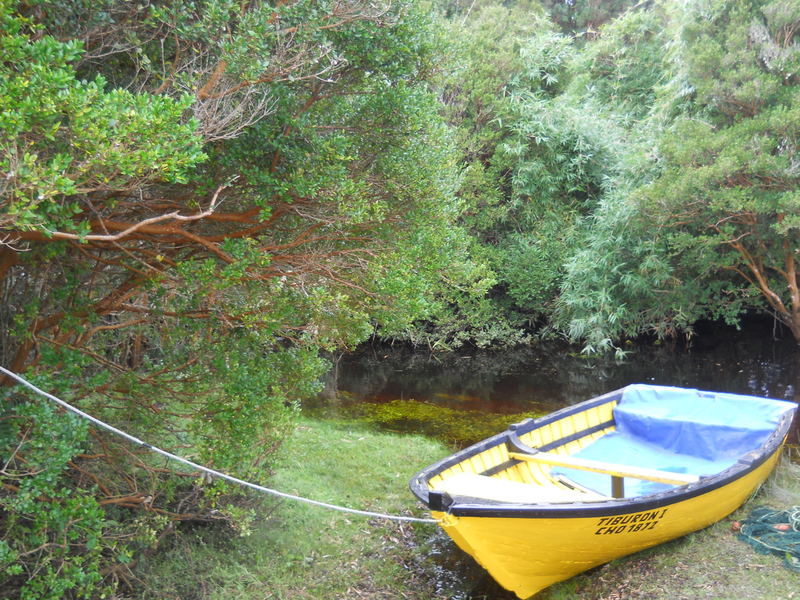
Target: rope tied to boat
(204,469)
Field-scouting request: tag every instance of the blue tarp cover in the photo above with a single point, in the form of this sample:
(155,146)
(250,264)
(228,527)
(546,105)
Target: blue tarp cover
(679,430)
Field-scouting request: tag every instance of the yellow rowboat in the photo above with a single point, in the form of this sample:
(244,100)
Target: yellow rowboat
(555,496)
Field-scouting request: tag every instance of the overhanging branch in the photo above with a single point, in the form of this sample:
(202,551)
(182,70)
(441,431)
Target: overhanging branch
(174,216)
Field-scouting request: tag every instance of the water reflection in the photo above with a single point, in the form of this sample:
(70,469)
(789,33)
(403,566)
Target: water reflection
(553,375)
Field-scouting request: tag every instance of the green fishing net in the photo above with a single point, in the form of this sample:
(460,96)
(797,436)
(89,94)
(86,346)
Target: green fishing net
(774,532)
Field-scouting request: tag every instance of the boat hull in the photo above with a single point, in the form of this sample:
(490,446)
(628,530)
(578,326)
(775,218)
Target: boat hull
(526,554)
(557,495)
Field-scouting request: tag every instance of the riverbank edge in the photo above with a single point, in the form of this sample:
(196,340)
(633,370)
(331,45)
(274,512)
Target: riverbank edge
(296,551)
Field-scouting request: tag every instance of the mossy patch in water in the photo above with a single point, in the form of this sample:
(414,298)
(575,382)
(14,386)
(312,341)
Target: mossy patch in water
(457,427)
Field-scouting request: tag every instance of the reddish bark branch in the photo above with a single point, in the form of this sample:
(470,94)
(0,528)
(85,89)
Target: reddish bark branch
(173,216)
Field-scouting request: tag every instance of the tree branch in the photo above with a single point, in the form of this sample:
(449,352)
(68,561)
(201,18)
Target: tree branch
(175,216)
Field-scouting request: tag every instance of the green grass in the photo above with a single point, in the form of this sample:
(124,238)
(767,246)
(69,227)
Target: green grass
(298,551)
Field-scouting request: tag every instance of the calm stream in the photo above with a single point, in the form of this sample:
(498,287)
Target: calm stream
(552,375)
(418,392)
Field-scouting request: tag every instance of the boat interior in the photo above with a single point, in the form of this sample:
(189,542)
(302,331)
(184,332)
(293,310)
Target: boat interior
(634,442)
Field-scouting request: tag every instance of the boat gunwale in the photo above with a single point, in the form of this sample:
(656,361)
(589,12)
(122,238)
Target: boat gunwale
(589,508)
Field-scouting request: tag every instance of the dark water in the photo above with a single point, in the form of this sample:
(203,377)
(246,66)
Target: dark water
(552,375)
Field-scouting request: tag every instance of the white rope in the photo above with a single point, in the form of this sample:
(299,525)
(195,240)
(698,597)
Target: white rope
(213,472)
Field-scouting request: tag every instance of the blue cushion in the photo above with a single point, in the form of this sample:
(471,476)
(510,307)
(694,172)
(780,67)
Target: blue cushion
(709,425)
(678,430)
(628,450)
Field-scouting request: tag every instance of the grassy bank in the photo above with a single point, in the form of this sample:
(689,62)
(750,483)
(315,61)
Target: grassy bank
(296,551)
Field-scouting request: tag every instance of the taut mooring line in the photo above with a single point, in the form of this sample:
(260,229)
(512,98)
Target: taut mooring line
(212,472)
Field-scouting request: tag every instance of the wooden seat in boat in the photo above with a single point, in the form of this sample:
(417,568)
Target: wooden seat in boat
(504,490)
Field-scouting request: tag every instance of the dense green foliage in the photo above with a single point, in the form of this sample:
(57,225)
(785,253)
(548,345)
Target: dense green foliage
(49,548)
(632,181)
(728,182)
(199,199)
(584,17)
(702,228)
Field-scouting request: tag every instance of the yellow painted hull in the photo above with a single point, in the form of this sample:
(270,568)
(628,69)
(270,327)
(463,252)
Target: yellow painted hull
(530,524)
(526,555)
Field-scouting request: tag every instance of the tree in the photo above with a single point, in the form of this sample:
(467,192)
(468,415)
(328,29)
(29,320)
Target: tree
(727,194)
(533,161)
(473,86)
(621,71)
(584,17)
(703,221)
(619,279)
(197,198)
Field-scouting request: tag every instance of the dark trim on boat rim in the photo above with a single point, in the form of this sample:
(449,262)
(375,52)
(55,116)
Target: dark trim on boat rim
(614,507)
(464,507)
(419,485)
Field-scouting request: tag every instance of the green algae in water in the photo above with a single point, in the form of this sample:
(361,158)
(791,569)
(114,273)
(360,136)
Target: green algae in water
(457,427)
